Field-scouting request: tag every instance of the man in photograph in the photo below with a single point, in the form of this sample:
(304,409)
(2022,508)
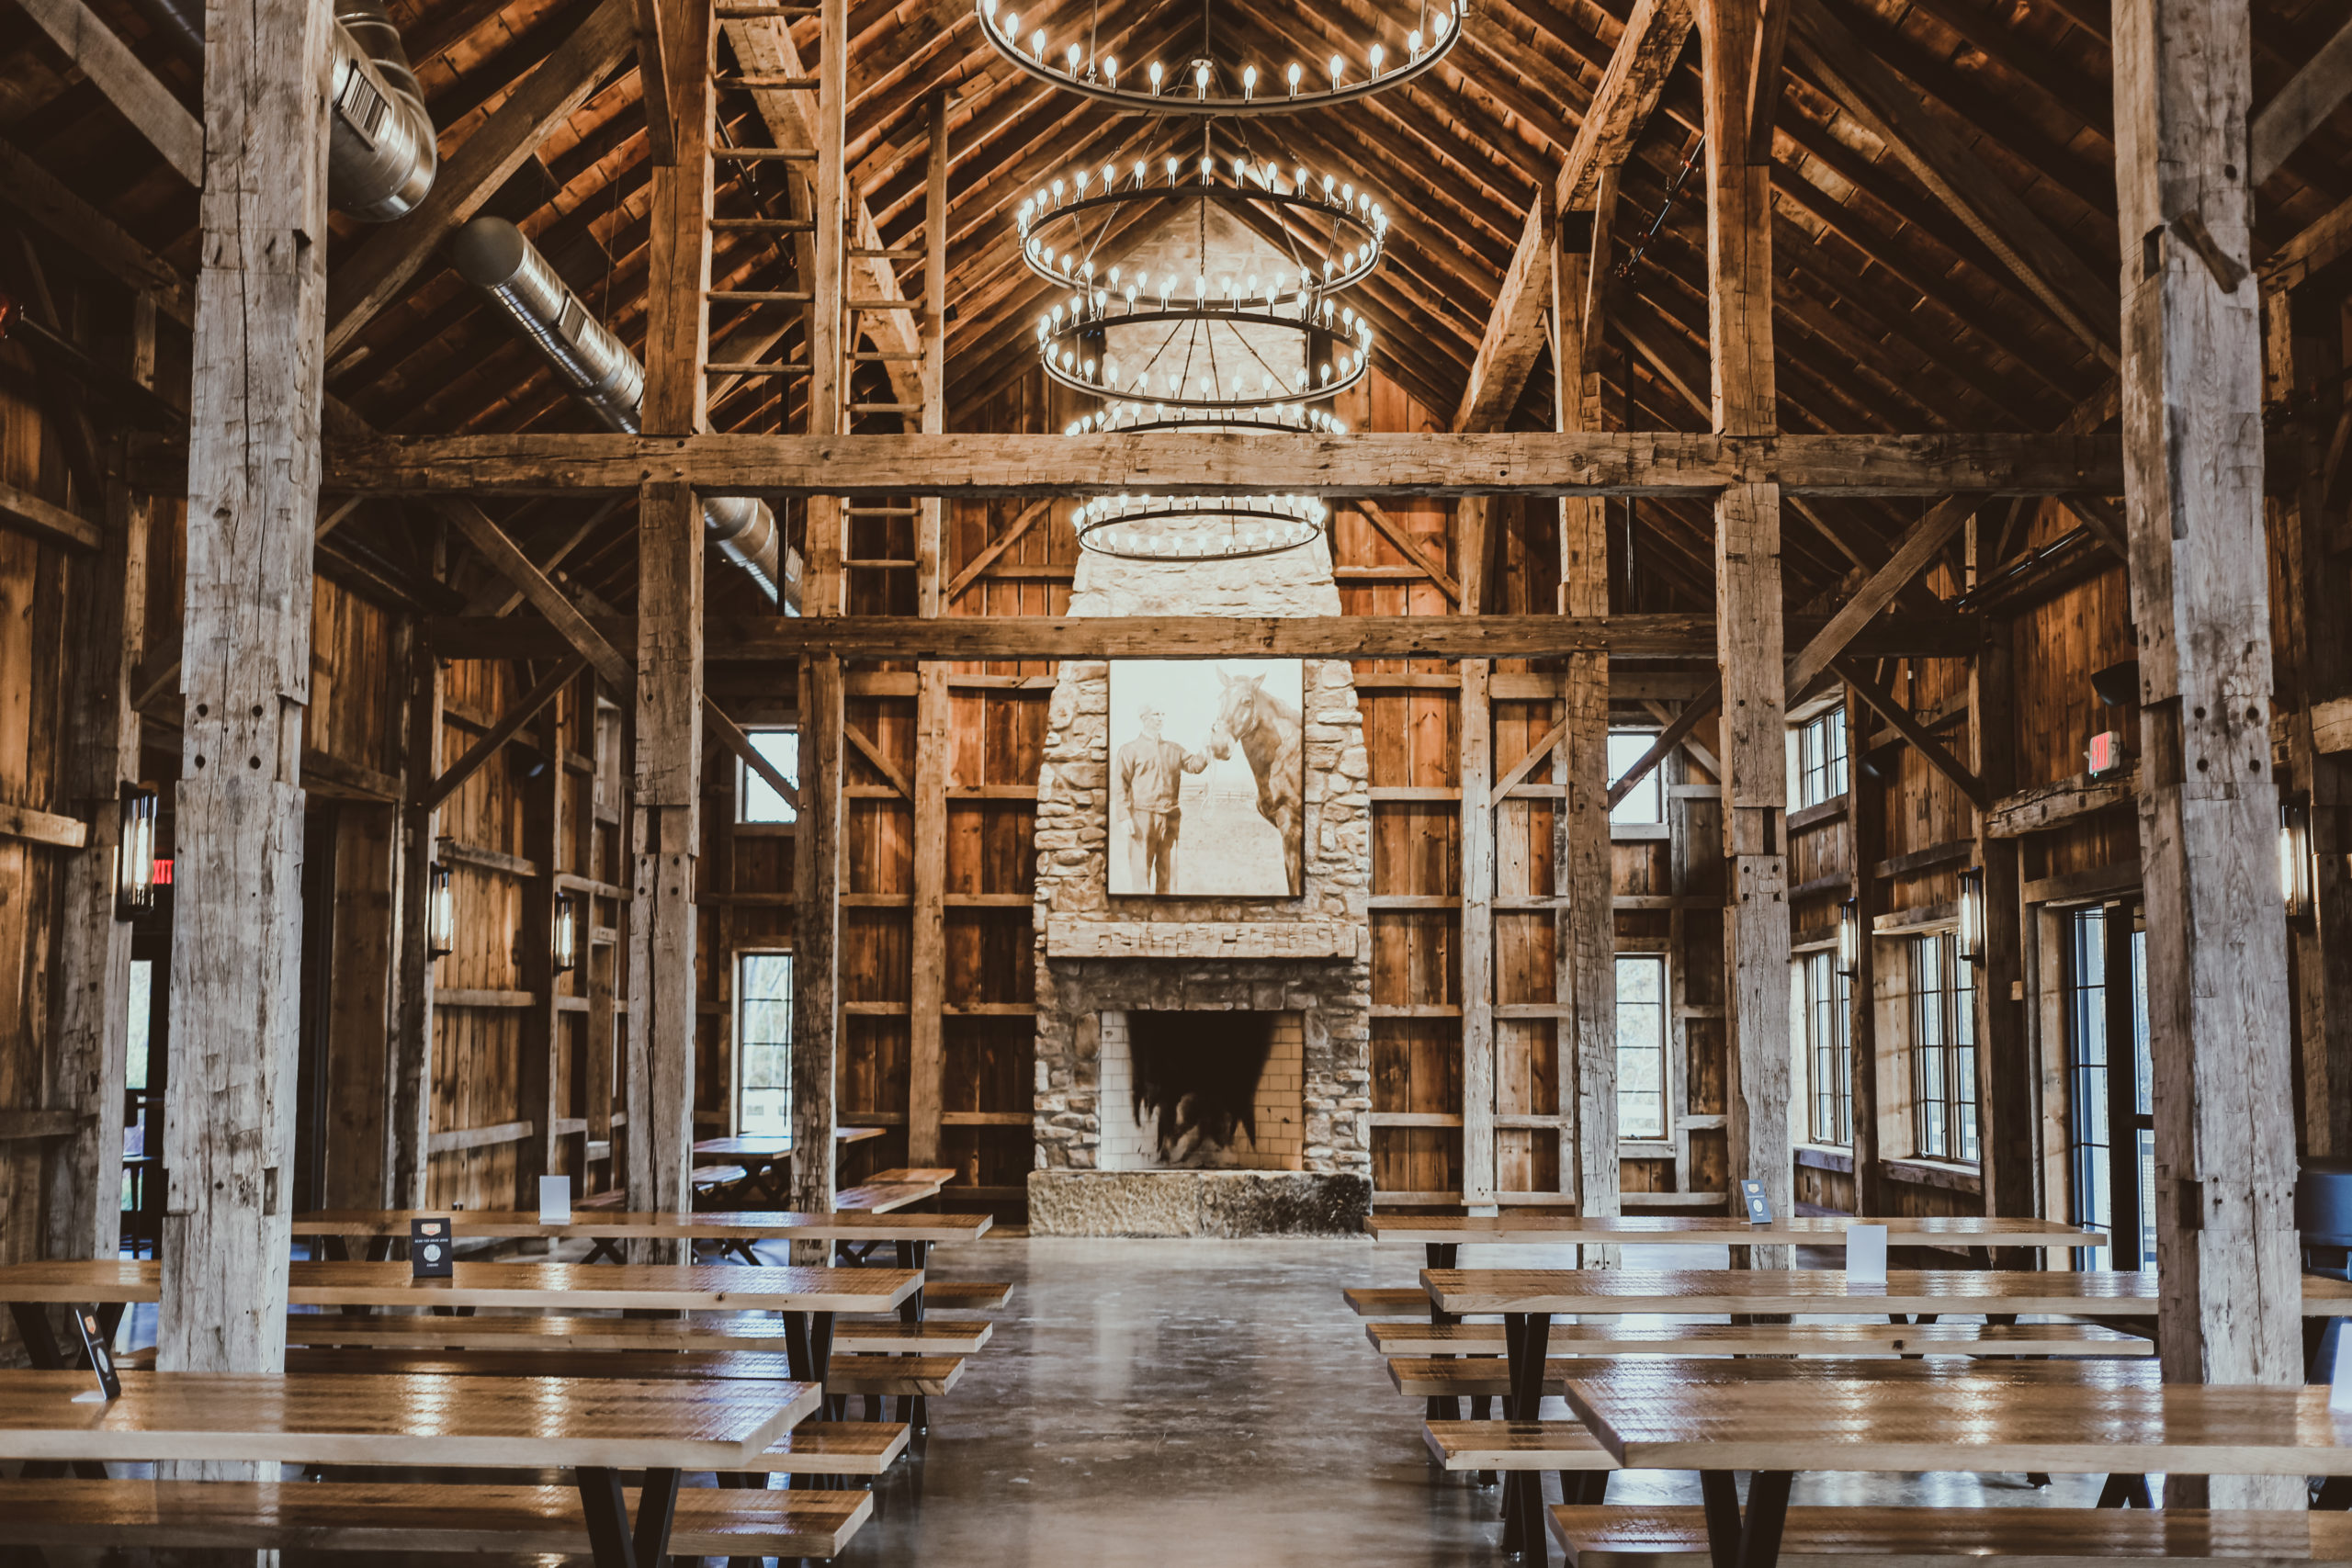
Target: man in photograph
(1149,774)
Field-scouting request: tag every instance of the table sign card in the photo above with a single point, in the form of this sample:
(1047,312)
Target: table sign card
(429,1249)
(1866,1258)
(1760,1207)
(554,1200)
(93,1345)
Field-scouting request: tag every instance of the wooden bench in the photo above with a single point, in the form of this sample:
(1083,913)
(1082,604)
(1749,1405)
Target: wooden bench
(1665,1537)
(1770,1339)
(835,1448)
(970,1295)
(907,1377)
(1516,1445)
(372,1516)
(947,1336)
(1388,1301)
(1489,1376)
(888,1189)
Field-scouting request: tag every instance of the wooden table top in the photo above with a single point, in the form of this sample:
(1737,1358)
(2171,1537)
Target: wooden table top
(748,1225)
(413,1419)
(1889,1422)
(2087,1293)
(567,1286)
(742,1148)
(1936,1230)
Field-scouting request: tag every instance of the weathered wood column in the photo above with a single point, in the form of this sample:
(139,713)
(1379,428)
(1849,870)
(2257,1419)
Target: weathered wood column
(87,1068)
(666,815)
(816,949)
(410,1091)
(1478,859)
(926,1048)
(2208,806)
(1747,604)
(1586,922)
(1866,812)
(825,582)
(245,668)
(2006,1069)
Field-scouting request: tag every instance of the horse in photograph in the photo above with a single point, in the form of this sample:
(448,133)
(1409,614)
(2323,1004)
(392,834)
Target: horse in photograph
(1269,734)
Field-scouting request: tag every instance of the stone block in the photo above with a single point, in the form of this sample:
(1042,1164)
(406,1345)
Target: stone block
(1196,1203)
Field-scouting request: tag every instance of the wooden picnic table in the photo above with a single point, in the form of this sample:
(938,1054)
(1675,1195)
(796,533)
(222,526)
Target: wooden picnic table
(596,1428)
(1661,1416)
(1707,1291)
(615,1225)
(1693,1230)
(809,1297)
(765,1159)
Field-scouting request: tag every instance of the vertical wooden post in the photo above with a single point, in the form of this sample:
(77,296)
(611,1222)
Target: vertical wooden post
(411,1088)
(1587,921)
(815,950)
(828,352)
(2007,1070)
(2303,367)
(253,504)
(931,509)
(2208,806)
(666,815)
(926,1059)
(1477,852)
(1865,807)
(1748,610)
(363,1011)
(108,626)
(540,1096)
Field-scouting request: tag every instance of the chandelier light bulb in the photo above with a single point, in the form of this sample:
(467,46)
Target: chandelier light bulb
(1294,71)
(1037,44)
(1376,57)
(1072,57)
(1413,44)
(1012,26)
(1154,73)
(1248,83)
(1201,79)
(1335,67)
(1111,70)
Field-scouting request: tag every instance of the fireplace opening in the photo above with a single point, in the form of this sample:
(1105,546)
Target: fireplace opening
(1195,1089)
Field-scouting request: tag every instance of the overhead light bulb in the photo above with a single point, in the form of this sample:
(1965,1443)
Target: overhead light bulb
(1248,82)
(1294,78)
(1154,72)
(1413,43)
(1377,56)
(1111,71)
(1335,70)
(1201,80)
(1038,44)
(1073,58)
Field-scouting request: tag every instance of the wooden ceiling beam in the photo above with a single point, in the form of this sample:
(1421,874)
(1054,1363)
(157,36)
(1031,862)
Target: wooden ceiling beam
(2302,106)
(151,108)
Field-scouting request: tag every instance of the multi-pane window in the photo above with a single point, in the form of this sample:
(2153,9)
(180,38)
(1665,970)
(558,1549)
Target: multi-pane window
(1647,801)
(1641,1045)
(763,1043)
(2110,1140)
(1820,759)
(1828,1060)
(755,799)
(1943,1049)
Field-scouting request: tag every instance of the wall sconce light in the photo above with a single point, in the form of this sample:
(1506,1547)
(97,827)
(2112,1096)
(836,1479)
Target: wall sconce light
(2295,859)
(441,913)
(566,934)
(134,854)
(1971,940)
(1850,938)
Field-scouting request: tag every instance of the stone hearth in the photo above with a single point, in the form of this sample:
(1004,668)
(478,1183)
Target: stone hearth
(1099,955)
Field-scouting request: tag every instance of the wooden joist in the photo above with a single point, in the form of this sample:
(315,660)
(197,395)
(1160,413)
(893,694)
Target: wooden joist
(151,108)
(28,514)
(1377,464)
(2044,806)
(34,826)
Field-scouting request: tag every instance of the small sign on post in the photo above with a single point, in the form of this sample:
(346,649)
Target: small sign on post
(554,1200)
(429,1249)
(1760,1207)
(93,1345)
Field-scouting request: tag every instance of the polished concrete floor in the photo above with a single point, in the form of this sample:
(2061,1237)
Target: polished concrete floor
(1172,1403)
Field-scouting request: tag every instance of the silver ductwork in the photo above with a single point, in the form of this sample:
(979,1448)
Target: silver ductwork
(381,150)
(492,255)
(381,153)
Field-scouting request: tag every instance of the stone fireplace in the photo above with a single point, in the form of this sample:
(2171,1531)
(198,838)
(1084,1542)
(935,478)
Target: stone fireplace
(1112,969)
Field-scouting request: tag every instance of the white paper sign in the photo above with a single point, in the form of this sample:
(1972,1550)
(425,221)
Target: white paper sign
(1866,1254)
(2339,1391)
(554,1200)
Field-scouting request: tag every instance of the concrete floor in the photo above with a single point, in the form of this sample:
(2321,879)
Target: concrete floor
(1168,1402)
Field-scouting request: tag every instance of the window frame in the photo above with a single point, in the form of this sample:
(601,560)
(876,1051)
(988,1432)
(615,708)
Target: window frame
(1829,1062)
(737,1054)
(1652,788)
(1822,770)
(1664,1010)
(745,781)
(1943,1051)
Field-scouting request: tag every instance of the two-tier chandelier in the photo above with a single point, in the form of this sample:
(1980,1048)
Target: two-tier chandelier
(1193,74)
(1176,527)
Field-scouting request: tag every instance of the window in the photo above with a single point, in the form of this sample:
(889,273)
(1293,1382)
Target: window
(1646,803)
(763,1043)
(1829,1062)
(754,800)
(2110,1141)
(1943,1049)
(1641,1045)
(1818,759)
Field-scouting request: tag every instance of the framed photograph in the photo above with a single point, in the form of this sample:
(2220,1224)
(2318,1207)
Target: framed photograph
(1208,778)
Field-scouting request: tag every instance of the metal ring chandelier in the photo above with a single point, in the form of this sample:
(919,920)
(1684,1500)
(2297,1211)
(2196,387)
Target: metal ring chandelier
(1184,381)
(1054,244)
(1198,528)
(1199,84)
(1291,419)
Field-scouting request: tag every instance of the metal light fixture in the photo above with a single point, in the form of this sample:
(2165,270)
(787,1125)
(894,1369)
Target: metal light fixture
(441,913)
(1971,940)
(566,934)
(1850,938)
(2295,859)
(134,853)
(1177,528)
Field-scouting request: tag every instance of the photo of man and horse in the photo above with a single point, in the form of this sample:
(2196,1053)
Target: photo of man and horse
(1207,778)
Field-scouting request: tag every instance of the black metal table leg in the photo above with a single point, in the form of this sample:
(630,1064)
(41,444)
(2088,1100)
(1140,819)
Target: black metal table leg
(657,1510)
(40,1343)
(1767,1511)
(821,1358)
(1441,1255)
(1527,1341)
(607,1514)
(914,1409)
(1720,1488)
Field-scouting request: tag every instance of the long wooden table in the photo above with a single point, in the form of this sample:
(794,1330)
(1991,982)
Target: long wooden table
(596,1428)
(914,1233)
(808,1297)
(1662,1417)
(1707,1291)
(1693,1230)
(765,1159)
